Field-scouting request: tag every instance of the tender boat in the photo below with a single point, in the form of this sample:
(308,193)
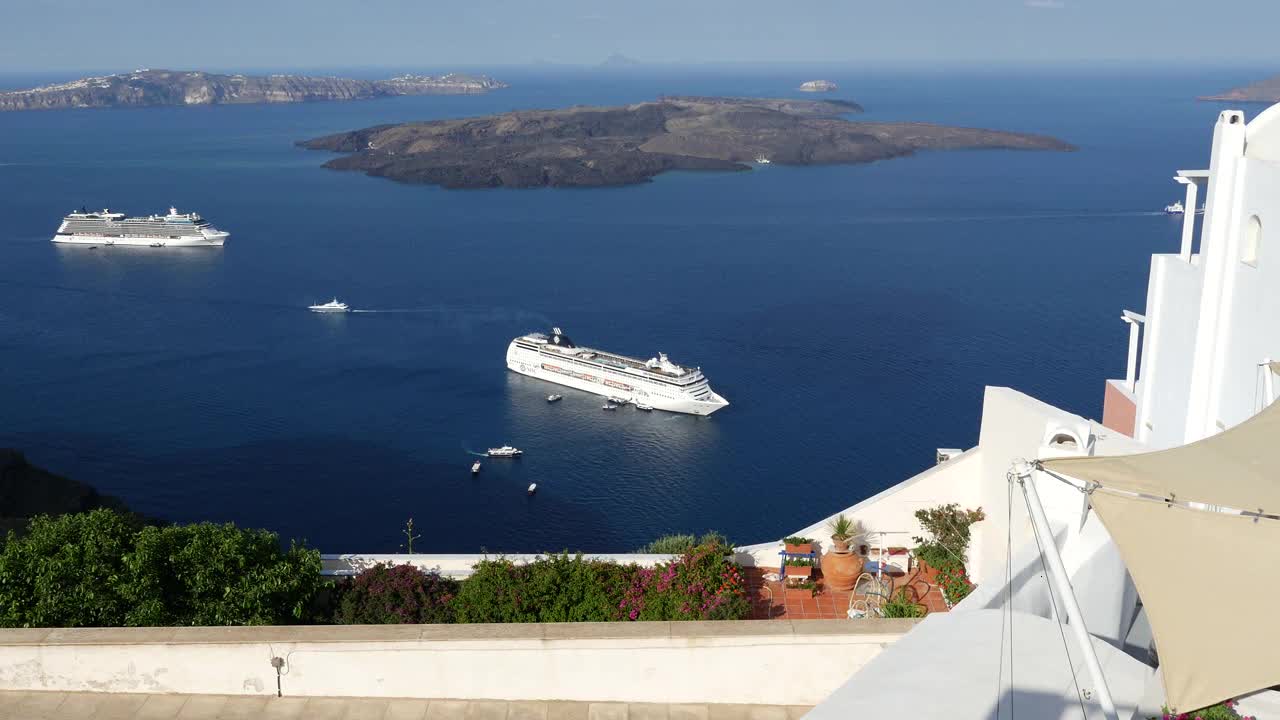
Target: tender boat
(1174,209)
(618,401)
(553,397)
(506,451)
(608,406)
(646,408)
(333,306)
(475,468)
(533,488)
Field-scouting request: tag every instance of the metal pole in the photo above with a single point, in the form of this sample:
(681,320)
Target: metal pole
(1062,584)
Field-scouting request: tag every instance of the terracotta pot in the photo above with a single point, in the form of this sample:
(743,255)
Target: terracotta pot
(804,549)
(799,571)
(840,545)
(840,570)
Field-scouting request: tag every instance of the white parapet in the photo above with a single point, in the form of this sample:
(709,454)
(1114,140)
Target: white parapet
(459,566)
(776,662)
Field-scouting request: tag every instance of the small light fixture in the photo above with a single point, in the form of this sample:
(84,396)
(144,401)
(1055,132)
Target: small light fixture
(277,663)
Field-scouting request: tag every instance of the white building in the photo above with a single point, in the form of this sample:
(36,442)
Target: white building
(1201,359)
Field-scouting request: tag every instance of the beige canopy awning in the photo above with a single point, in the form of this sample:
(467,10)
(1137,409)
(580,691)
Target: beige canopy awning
(1210,581)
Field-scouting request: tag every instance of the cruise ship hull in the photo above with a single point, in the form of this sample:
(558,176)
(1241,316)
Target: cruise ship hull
(534,365)
(208,240)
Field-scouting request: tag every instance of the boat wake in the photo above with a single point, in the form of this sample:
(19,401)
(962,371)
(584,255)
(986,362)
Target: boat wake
(403,310)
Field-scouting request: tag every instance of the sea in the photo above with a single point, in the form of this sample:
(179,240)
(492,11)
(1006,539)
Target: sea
(852,315)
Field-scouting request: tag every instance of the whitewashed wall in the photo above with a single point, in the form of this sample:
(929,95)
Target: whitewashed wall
(775,662)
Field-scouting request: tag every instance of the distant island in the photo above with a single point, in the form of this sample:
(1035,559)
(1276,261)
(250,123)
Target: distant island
(600,146)
(1267,91)
(27,491)
(818,86)
(149,88)
(618,60)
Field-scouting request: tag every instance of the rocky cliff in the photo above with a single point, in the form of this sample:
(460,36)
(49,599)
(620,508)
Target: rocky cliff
(27,491)
(595,146)
(146,88)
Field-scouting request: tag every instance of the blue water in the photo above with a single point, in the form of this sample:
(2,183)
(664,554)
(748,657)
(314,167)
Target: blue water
(852,315)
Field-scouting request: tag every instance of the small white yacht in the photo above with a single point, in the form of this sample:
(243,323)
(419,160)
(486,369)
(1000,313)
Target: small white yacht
(762,160)
(475,468)
(1174,209)
(506,451)
(646,408)
(333,306)
(533,488)
(553,397)
(608,406)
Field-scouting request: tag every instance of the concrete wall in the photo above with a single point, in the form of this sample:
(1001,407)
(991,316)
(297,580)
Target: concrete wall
(1168,346)
(1119,411)
(1253,312)
(776,662)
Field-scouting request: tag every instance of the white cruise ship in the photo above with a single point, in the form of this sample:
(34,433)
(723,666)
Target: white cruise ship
(113,228)
(657,383)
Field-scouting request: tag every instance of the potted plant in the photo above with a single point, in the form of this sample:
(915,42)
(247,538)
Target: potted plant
(798,567)
(798,545)
(843,530)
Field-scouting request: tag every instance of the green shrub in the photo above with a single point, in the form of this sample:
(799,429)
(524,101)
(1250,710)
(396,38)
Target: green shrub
(799,562)
(670,545)
(948,546)
(556,588)
(66,571)
(680,544)
(901,606)
(949,526)
(100,569)
(704,584)
(797,540)
(383,595)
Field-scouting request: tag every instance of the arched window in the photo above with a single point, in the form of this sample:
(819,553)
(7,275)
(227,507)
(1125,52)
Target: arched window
(1252,241)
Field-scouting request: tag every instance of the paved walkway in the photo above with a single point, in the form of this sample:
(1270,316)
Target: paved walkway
(113,706)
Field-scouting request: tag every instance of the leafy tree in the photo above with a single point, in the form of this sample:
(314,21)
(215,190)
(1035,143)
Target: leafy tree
(100,569)
(66,571)
(207,574)
(399,594)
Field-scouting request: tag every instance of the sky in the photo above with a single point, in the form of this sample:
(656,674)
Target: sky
(63,35)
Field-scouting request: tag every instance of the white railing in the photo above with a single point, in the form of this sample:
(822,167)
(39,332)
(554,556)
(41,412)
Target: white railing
(460,565)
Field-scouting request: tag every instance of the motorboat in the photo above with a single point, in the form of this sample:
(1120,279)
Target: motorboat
(506,451)
(475,468)
(333,306)
(618,400)
(762,160)
(1174,209)
(533,488)
(646,408)
(608,406)
(553,397)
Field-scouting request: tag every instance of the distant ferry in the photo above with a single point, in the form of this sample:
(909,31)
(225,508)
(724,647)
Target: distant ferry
(657,382)
(113,228)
